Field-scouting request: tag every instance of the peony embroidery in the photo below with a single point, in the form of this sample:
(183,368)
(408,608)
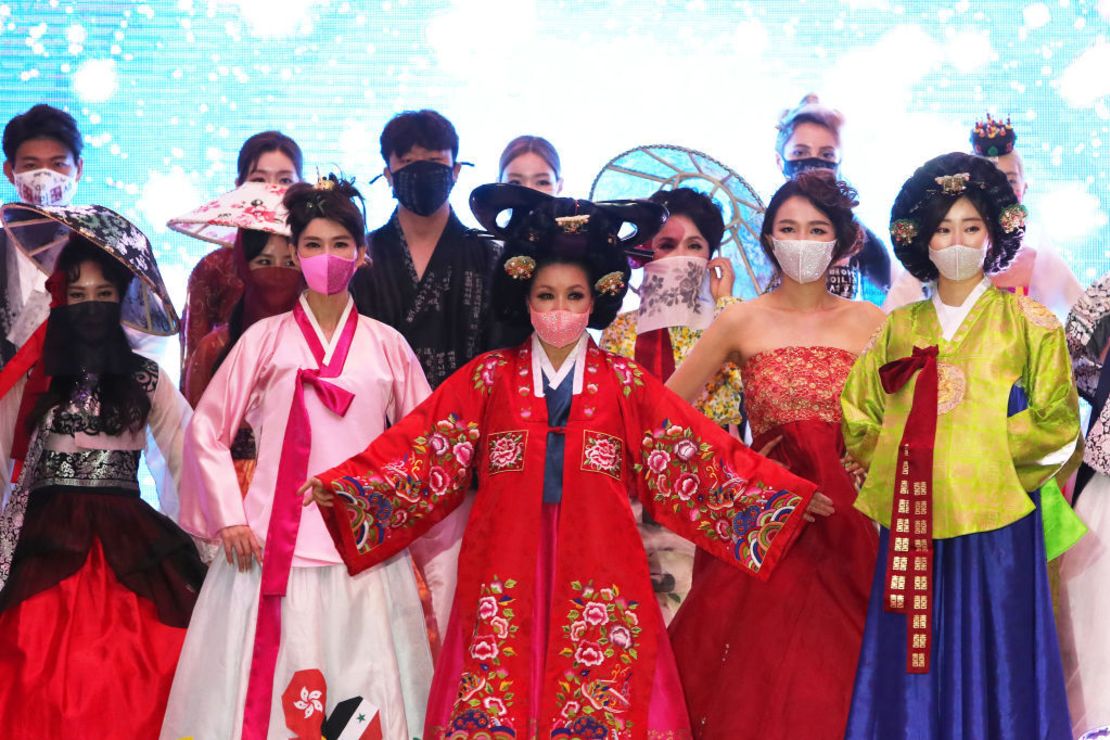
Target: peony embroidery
(506,451)
(686,475)
(485,689)
(628,373)
(589,654)
(484,648)
(436,467)
(487,608)
(601,632)
(602,453)
(485,371)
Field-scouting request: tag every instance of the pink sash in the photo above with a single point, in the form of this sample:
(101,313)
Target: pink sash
(285,517)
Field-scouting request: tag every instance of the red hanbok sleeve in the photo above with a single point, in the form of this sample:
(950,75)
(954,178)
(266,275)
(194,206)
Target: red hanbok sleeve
(705,485)
(414,474)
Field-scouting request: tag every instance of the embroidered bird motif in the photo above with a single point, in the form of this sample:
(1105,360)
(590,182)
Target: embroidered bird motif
(610,695)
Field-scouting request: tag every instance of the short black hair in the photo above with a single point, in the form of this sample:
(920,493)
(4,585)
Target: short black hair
(834,198)
(702,210)
(42,121)
(923,202)
(263,143)
(425,128)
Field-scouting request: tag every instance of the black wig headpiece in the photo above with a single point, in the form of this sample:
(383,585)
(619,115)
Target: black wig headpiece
(542,229)
(927,196)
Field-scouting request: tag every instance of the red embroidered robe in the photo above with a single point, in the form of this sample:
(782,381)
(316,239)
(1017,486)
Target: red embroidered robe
(626,435)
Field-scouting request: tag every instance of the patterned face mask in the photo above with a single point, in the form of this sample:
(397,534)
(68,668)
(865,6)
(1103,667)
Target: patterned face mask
(45,187)
(423,186)
(560,327)
(803,261)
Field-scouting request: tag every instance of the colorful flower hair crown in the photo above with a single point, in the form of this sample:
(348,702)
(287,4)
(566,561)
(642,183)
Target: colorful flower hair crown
(992,137)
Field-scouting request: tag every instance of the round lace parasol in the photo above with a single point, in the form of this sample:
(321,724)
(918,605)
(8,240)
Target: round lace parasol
(640,172)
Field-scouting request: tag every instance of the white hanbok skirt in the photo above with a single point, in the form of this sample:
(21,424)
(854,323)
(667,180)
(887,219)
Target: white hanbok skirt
(1085,614)
(366,634)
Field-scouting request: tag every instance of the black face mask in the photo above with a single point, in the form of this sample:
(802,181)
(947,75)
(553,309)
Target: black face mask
(85,337)
(791,167)
(423,186)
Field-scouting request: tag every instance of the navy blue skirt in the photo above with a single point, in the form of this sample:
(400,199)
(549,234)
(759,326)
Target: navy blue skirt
(995,666)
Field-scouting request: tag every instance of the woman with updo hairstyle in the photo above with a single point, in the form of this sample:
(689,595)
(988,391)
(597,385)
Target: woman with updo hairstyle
(794,346)
(532,162)
(313,384)
(96,585)
(963,410)
(555,624)
(680,292)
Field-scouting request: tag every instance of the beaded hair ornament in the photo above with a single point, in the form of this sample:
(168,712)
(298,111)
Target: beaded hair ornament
(992,137)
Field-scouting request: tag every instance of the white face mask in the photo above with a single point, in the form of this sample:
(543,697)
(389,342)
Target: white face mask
(958,262)
(803,261)
(45,187)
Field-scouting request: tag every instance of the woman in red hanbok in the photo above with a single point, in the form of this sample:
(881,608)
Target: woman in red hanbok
(555,630)
(795,346)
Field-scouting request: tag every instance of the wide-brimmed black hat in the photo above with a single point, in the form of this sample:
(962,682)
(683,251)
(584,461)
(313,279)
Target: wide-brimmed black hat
(42,232)
(536,228)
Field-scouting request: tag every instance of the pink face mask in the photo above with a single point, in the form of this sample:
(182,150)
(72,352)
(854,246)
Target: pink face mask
(328,273)
(559,328)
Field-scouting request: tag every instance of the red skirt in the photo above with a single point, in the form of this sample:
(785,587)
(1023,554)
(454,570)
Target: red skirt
(777,659)
(86,658)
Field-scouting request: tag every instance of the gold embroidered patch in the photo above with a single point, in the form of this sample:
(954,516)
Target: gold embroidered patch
(1038,313)
(951,386)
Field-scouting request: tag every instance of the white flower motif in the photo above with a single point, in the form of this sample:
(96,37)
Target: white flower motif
(309,702)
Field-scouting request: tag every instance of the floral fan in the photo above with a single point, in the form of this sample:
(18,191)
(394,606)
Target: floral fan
(640,172)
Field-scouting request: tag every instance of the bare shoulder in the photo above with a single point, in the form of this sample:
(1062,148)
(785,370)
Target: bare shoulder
(868,313)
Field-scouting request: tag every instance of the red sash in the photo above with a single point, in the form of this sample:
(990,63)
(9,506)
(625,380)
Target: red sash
(285,517)
(655,353)
(909,566)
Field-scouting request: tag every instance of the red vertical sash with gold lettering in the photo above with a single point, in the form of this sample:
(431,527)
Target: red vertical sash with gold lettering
(909,565)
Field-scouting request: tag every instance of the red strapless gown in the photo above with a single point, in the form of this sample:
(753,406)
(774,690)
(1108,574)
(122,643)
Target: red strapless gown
(778,659)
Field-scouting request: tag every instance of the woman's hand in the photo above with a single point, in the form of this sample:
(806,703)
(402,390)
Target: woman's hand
(819,505)
(313,490)
(240,543)
(857,472)
(721,286)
